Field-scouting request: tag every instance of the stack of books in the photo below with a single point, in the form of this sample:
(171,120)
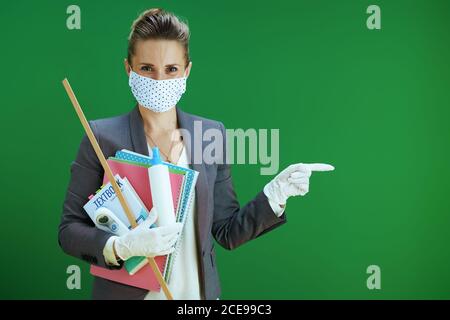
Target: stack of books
(131,171)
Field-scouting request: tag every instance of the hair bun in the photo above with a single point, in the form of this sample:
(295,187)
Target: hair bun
(156,23)
(153,12)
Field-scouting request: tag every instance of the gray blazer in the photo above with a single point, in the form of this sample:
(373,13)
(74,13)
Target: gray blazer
(218,213)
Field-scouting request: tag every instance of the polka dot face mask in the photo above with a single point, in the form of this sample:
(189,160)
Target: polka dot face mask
(157,95)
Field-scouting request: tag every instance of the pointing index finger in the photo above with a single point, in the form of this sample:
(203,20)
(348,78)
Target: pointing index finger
(319,166)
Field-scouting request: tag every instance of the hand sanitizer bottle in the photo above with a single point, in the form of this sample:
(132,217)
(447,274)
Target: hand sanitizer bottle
(161,190)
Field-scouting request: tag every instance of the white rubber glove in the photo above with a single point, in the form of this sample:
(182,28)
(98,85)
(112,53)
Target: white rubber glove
(292,181)
(144,241)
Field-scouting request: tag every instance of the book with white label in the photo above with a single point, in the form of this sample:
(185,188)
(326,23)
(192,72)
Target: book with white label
(106,197)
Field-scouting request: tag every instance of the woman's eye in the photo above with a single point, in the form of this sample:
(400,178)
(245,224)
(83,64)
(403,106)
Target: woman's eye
(173,69)
(146,68)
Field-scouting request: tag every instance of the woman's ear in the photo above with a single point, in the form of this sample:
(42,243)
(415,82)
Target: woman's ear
(188,69)
(127,67)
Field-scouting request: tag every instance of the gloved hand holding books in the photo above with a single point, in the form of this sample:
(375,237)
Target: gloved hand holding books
(147,242)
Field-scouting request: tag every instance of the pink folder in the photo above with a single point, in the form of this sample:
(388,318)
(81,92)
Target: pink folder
(139,179)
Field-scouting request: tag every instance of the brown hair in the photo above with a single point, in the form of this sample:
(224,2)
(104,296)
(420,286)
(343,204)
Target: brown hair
(158,24)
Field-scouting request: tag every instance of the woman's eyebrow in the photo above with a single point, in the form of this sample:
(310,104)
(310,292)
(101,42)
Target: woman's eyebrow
(152,65)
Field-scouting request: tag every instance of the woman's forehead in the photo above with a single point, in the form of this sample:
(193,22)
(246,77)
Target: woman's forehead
(159,52)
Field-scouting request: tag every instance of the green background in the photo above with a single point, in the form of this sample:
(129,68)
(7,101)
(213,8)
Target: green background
(374,103)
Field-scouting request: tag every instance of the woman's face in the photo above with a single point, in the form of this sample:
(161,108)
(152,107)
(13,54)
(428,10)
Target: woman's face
(159,60)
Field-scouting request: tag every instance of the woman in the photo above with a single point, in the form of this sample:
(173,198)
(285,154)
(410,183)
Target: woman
(158,65)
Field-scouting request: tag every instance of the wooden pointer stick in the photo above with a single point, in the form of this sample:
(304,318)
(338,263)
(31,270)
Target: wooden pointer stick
(114,184)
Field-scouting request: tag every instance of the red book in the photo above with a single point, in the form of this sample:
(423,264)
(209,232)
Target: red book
(139,179)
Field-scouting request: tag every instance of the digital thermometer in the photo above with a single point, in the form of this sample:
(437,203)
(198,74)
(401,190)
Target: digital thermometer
(107,221)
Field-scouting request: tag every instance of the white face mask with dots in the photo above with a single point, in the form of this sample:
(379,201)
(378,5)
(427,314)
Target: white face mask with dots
(157,95)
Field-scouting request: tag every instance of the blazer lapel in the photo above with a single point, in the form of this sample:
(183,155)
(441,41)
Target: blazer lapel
(137,132)
(186,122)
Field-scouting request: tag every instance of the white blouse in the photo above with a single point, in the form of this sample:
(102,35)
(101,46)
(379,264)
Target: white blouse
(184,281)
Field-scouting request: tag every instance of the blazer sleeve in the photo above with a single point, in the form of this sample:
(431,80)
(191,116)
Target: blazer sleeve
(234,225)
(77,234)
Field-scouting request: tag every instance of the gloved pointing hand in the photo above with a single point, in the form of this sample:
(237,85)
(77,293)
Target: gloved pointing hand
(148,242)
(293,181)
